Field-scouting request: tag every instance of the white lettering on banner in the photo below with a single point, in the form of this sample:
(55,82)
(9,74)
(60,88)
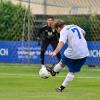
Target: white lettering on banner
(47,52)
(3,52)
(94,53)
(26,53)
(32,52)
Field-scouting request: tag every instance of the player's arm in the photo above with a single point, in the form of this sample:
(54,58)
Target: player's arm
(58,48)
(62,41)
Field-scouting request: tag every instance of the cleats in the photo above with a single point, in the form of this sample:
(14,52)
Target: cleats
(51,71)
(58,90)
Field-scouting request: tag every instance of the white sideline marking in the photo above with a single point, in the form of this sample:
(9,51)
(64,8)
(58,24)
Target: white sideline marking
(34,75)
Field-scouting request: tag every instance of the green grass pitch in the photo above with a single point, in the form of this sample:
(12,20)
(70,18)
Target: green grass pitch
(22,82)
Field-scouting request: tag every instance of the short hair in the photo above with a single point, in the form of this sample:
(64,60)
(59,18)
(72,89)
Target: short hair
(50,17)
(58,23)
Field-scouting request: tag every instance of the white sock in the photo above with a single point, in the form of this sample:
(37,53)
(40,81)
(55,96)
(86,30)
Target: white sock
(57,68)
(68,79)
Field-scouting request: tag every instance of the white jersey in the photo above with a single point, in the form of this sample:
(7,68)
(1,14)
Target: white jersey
(77,45)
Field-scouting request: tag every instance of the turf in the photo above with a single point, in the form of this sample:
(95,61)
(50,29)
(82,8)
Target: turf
(22,82)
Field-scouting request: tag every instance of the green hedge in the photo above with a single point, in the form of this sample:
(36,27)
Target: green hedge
(11,21)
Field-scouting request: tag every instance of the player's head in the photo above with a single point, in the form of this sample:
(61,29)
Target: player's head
(58,25)
(50,20)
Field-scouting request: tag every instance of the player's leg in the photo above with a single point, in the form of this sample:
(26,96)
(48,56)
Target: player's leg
(57,68)
(69,77)
(44,46)
(73,67)
(54,45)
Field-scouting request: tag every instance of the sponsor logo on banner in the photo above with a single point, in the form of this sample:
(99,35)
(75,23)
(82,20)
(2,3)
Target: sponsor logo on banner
(94,53)
(24,52)
(3,52)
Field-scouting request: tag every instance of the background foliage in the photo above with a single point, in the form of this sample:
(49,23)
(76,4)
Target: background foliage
(12,19)
(15,19)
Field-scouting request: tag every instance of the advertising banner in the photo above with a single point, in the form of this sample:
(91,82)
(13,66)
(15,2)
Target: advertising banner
(29,52)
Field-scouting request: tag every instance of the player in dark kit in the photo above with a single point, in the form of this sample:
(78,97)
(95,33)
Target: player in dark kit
(48,36)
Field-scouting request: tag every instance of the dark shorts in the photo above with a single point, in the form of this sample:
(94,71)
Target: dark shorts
(74,65)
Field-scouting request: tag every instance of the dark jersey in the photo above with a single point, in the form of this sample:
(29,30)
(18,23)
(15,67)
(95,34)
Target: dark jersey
(46,32)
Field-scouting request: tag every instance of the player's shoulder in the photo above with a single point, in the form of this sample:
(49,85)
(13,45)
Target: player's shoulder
(44,26)
(68,27)
(65,29)
(74,26)
(80,28)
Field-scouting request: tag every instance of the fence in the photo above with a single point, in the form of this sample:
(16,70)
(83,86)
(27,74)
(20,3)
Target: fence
(33,14)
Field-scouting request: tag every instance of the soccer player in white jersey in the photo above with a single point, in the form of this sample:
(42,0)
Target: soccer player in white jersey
(74,56)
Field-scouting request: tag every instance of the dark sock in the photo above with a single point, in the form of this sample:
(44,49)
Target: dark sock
(54,73)
(62,87)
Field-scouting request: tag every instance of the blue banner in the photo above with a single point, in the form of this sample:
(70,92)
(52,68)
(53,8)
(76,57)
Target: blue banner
(29,52)
(94,53)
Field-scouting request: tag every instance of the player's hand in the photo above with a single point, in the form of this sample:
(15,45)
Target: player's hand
(52,54)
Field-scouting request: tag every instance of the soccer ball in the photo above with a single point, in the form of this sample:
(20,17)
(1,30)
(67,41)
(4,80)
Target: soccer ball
(43,73)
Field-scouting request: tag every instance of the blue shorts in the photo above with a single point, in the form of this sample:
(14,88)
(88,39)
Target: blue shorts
(74,65)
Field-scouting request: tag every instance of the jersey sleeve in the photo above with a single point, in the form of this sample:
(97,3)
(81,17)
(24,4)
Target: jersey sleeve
(63,36)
